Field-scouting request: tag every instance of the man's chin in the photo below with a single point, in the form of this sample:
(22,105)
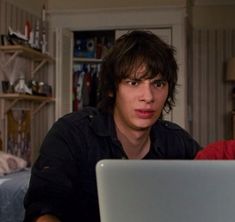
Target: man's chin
(143,127)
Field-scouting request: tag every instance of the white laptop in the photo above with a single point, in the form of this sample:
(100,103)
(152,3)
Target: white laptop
(166,190)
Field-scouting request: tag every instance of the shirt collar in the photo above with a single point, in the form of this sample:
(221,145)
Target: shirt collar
(103,124)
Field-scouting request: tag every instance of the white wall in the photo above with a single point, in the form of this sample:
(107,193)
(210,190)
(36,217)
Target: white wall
(93,4)
(213,43)
(205,13)
(220,15)
(32,6)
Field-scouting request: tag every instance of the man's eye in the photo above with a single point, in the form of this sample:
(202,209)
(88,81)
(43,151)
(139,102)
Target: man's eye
(159,83)
(132,82)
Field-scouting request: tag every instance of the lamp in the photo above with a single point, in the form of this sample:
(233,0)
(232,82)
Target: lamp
(230,74)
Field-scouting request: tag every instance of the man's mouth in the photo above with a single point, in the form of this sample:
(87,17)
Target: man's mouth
(144,114)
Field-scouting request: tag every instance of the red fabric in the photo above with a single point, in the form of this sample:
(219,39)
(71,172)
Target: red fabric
(220,150)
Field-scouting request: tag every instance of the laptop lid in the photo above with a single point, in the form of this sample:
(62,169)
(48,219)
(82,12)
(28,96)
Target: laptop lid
(166,190)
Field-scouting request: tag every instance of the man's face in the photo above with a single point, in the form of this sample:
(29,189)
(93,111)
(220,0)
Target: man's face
(139,102)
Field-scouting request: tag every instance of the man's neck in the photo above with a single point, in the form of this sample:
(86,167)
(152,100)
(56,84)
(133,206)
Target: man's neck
(136,144)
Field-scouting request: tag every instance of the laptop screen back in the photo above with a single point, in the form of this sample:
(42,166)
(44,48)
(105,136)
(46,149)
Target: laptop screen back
(166,190)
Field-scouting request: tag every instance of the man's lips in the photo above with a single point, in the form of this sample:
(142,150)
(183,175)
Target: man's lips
(144,113)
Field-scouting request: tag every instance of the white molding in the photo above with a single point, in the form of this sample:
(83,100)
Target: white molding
(117,18)
(114,10)
(213,2)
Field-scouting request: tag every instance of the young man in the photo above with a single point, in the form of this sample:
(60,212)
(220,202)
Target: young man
(138,79)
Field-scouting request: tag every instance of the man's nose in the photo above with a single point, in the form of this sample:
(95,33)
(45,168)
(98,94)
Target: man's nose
(147,92)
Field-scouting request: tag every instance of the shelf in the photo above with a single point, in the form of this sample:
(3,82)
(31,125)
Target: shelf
(11,96)
(15,97)
(26,51)
(36,56)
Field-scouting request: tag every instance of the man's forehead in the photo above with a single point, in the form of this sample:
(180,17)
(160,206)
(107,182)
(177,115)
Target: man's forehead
(142,72)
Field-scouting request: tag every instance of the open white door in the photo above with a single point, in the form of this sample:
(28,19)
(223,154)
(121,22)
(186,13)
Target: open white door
(64,53)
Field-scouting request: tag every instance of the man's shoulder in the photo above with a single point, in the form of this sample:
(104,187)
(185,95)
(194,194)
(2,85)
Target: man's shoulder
(85,114)
(167,125)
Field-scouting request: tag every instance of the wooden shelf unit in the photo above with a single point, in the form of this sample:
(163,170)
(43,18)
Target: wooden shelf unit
(34,103)
(26,51)
(16,97)
(39,58)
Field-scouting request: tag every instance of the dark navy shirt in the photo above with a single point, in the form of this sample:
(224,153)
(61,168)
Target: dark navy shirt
(63,180)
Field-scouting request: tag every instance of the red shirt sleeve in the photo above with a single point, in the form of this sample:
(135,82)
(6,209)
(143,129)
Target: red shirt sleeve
(220,150)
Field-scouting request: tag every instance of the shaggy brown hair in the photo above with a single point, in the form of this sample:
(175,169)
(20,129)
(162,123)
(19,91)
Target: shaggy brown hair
(129,52)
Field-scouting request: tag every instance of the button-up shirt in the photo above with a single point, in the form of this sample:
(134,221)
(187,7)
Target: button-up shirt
(63,180)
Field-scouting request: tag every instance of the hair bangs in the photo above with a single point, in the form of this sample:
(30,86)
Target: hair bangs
(130,65)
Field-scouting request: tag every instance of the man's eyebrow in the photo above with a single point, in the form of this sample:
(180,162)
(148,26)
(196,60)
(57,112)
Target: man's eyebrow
(136,77)
(158,78)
